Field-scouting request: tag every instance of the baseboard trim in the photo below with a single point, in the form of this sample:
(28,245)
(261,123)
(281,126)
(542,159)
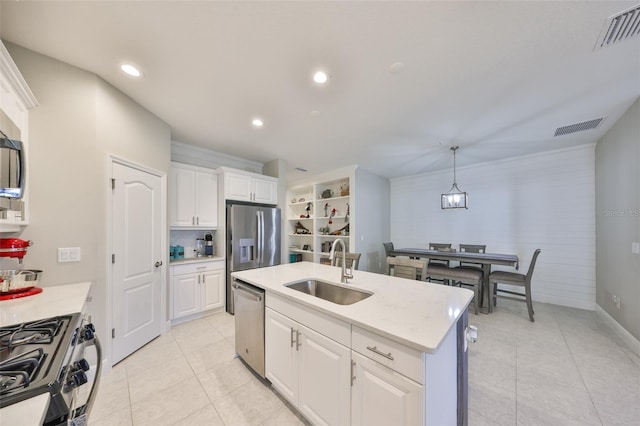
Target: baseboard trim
(627,338)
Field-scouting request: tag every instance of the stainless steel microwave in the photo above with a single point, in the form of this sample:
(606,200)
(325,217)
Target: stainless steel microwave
(12,168)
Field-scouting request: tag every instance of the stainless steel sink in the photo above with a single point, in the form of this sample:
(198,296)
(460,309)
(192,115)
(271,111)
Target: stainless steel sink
(331,292)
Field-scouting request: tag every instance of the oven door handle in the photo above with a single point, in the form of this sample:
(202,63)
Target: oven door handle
(94,387)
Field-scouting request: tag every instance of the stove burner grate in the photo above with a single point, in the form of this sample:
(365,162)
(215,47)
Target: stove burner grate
(17,372)
(29,333)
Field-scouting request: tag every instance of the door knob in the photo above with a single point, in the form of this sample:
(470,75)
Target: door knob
(158,264)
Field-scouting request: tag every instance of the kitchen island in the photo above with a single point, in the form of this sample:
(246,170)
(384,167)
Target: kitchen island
(397,356)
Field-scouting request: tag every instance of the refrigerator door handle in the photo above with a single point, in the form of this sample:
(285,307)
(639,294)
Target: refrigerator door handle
(259,237)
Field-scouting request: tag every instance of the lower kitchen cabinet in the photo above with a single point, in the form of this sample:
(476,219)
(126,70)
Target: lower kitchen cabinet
(382,396)
(197,287)
(309,369)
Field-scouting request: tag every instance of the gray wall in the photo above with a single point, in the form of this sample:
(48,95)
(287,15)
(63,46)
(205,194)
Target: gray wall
(618,220)
(80,120)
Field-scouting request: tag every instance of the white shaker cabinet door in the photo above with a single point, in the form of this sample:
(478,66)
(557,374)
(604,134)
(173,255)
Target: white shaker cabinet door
(206,198)
(213,286)
(182,197)
(237,187)
(265,191)
(281,357)
(324,384)
(381,396)
(186,294)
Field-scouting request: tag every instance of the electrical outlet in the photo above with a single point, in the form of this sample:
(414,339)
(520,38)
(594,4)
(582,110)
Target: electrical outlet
(616,301)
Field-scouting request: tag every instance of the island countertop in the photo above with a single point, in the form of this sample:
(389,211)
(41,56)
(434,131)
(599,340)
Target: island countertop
(417,314)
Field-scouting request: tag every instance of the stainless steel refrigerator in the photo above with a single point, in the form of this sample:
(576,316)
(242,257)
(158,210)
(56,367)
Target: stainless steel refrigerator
(253,240)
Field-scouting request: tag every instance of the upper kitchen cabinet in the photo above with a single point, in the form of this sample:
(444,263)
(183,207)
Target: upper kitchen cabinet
(251,187)
(16,99)
(193,197)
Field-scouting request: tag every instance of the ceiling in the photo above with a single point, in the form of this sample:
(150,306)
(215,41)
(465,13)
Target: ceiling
(495,78)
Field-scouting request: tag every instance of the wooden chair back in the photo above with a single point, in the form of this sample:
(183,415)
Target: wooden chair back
(352,259)
(413,269)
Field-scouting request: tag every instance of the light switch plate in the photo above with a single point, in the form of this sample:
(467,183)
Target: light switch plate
(69,254)
(635,248)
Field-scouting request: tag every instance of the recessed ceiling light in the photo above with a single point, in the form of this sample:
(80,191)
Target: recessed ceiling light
(131,70)
(300,169)
(315,113)
(257,122)
(320,77)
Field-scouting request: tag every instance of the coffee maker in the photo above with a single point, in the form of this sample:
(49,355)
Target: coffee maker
(208,245)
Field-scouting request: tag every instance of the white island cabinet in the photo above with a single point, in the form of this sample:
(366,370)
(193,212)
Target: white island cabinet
(396,357)
(309,369)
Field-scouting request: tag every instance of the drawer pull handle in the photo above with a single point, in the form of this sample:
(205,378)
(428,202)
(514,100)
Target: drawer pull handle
(293,340)
(376,351)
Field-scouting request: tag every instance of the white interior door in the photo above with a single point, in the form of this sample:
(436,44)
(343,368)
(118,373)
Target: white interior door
(137,264)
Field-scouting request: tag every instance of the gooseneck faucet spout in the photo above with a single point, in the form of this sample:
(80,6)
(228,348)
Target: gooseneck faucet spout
(344,275)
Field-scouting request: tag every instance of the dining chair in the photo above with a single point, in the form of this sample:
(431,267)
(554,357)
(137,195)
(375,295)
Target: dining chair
(513,279)
(388,248)
(472,248)
(352,260)
(413,269)
(436,268)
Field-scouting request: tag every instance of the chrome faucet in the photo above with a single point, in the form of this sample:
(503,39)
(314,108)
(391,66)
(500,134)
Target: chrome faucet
(344,275)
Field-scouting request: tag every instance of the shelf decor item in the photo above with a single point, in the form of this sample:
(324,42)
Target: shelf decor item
(454,199)
(344,190)
(327,193)
(300,229)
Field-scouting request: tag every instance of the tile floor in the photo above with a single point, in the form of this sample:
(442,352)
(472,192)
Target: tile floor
(567,368)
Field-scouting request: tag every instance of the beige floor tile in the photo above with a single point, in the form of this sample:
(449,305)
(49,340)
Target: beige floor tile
(153,358)
(250,404)
(211,356)
(113,394)
(221,319)
(120,417)
(224,378)
(530,413)
(195,327)
(476,419)
(191,343)
(206,416)
(492,402)
(170,405)
(283,417)
(148,382)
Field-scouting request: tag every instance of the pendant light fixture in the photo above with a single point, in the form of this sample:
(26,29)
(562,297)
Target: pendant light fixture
(454,199)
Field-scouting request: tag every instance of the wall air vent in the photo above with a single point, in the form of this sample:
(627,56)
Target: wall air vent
(619,27)
(578,127)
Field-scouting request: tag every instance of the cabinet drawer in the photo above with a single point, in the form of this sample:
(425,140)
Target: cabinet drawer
(324,324)
(400,358)
(194,268)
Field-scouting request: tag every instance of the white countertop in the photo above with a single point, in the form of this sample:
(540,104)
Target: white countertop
(196,260)
(53,301)
(417,314)
(30,412)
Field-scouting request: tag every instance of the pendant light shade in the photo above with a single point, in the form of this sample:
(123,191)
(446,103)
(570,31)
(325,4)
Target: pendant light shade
(454,199)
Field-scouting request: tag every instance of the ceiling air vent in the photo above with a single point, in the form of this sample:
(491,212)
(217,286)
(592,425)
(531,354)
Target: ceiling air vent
(619,27)
(578,127)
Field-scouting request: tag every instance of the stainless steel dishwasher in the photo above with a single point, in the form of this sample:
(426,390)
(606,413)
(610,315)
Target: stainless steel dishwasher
(249,313)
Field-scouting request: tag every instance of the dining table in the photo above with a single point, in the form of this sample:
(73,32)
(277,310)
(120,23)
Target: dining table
(484,259)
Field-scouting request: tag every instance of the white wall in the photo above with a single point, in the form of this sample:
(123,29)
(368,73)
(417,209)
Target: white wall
(371,195)
(618,220)
(544,201)
(80,120)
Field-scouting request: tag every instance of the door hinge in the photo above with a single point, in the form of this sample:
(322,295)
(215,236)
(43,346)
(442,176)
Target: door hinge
(353,377)
(113,258)
(113,333)
(113,183)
